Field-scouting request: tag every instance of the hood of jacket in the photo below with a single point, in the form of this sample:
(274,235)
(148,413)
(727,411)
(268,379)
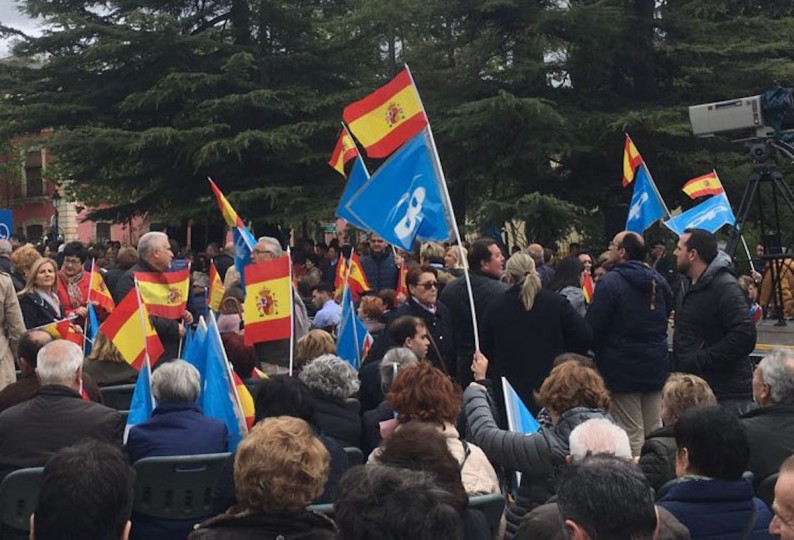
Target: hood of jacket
(721,263)
(639,275)
(578,415)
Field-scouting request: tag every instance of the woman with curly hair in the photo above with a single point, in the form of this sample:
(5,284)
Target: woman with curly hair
(573,393)
(422,393)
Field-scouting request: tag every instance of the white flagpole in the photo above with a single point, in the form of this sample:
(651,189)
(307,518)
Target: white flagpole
(146,360)
(291,314)
(667,213)
(228,366)
(88,301)
(448,203)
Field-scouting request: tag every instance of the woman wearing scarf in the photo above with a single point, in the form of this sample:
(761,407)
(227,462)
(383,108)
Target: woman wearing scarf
(74,282)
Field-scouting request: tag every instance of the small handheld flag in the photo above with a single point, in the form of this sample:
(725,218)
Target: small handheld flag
(344,151)
(123,328)
(702,186)
(266,311)
(98,291)
(216,290)
(588,287)
(165,293)
(646,205)
(710,215)
(631,160)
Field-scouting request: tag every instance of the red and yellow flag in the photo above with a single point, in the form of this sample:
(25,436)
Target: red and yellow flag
(229,213)
(246,401)
(98,291)
(124,328)
(64,330)
(266,311)
(588,287)
(708,184)
(402,286)
(344,151)
(631,160)
(164,293)
(358,280)
(388,117)
(216,290)
(339,277)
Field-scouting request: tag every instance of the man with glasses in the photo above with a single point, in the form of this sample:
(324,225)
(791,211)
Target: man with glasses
(422,282)
(155,255)
(714,333)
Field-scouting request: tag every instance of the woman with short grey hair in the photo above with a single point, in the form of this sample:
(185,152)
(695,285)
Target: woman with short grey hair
(332,381)
(177,426)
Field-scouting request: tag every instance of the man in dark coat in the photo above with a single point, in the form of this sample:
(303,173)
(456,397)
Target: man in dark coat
(486,262)
(56,416)
(155,255)
(379,265)
(714,333)
(628,316)
(770,427)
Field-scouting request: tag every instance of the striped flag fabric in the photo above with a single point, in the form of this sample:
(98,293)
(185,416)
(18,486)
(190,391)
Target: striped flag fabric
(64,329)
(228,212)
(98,291)
(216,289)
(588,287)
(353,341)
(130,330)
(703,186)
(388,117)
(344,151)
(631,160)
(165,293)
(268,297)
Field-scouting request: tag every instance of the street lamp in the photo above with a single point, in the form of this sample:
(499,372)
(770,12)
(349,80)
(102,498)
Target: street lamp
(56,202)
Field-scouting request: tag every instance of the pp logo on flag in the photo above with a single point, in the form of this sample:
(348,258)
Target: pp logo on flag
(405,227)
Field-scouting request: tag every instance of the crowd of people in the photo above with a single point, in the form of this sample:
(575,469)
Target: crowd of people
(654,421)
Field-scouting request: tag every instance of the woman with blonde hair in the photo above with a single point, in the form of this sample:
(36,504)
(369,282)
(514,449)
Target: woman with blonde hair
(572,394)
(38,299)
(314,344)
(682,391)
(454,257)
(21,261)
(106,365)
(527,327)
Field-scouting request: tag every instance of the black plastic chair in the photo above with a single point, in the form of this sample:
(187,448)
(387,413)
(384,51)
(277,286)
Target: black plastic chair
(117,397)
(766,489)
(176,487)
(354,456)
(19,494)
(492,506)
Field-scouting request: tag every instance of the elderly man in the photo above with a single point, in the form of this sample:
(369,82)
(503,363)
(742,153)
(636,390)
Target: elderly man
(155,255)
(628,316)
(538,255)
(714,333)
(782,525)
(56,416)
(770,427)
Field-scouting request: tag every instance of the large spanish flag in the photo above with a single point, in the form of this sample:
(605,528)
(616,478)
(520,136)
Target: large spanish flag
(388,117)
(266,311)
(708,184)
(631,160)
(165,293)
(127,327)
(229,213)
(98,292)
(344,151)
(216,290)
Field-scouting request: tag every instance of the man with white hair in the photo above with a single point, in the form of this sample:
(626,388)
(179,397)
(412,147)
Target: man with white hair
(598,436)
(5,255)
(56,416)
(770,427)
(155,255)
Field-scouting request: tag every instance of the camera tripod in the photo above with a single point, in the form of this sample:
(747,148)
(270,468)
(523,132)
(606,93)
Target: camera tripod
(765,171)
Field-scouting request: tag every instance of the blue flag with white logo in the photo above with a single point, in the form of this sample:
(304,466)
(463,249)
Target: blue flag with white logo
(646,207)
(353,340)
(403,201)
(244,243)
(710,215)
(358,177)
(6,223)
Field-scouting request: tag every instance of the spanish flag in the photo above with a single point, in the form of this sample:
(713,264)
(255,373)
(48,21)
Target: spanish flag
(708,184)
(356,279)
(215,293)
(165,293)
(246,401)
(339,277)
(268,295)
(344,151)
(124,328)
(98,292)
(588,287)
(229,213)
(64,329)
(388,117)
(631,160)
(402,286)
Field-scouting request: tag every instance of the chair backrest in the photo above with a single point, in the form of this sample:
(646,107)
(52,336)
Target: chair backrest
(354,456)
(19,494)
(176,487)
(492,505)
(117,397)
(766,489)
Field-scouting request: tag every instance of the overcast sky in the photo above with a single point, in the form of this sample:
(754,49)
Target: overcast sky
(10,16)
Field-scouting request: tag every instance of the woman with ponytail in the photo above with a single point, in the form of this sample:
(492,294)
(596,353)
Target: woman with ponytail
(525,328)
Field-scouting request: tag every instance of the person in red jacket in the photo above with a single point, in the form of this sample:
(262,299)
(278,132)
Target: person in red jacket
(74,282)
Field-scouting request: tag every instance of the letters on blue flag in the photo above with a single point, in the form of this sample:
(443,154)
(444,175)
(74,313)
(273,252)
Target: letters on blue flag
(219,401)
(403,201)
(646,208)
(358,177)
(142,403)
(710,215)
(91,330)
(353,340)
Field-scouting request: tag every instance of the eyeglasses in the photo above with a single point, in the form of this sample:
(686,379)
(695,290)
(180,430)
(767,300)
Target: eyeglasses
(263,252)
(72,261)
(429,285)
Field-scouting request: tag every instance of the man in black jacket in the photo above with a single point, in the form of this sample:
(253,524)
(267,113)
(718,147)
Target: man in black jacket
(485,268)
(155,255)
(714,333)
(770,428)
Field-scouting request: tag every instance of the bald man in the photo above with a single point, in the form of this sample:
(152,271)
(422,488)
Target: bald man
(628,315)
(545,272)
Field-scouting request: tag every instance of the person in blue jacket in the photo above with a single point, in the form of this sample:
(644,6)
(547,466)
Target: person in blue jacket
(710,496)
